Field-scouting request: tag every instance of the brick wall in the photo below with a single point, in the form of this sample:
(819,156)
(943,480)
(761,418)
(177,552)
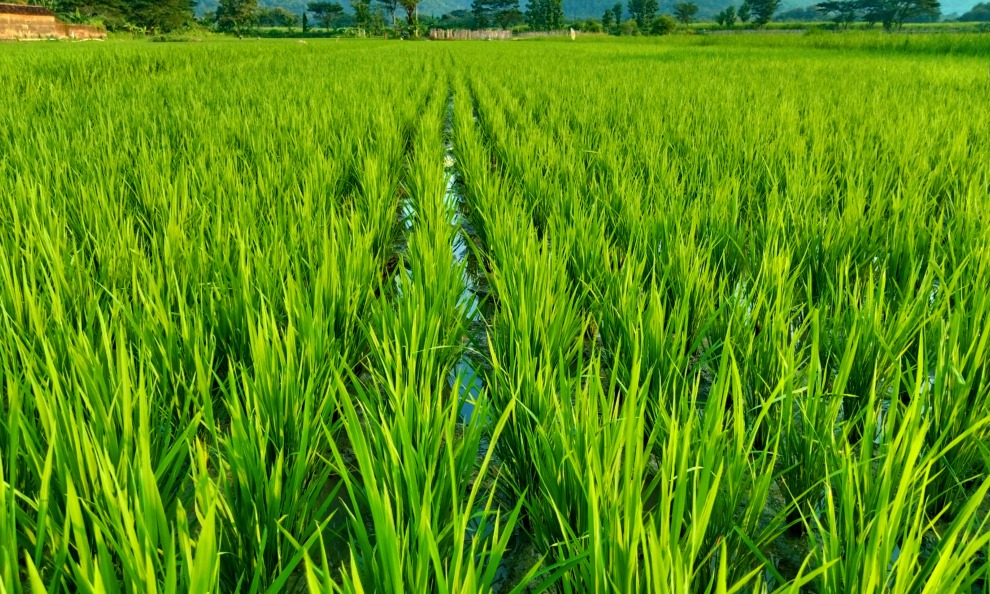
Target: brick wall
(81,32)
(36,26)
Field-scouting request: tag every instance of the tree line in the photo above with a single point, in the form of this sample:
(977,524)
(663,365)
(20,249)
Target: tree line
(636,16)
(155,15)
(540,15)
(644,18)
(235,15)
(891,13)
(375,16)
(230,15)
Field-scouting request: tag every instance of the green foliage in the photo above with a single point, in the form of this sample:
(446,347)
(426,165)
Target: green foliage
(763,10)
(573,9)
(363,16)
(643,11)
(326,13)
(591,26)
(161,15)
(501,13)
(745,12)
(842,12)
(277,17)
(894,13)
(663,25)
(151,15)
(545,15)
(629,28)
(891,13)
(235,15)
(412,14)
(480,12)
(389,7)
(685,12)
(727,18)
(805,14)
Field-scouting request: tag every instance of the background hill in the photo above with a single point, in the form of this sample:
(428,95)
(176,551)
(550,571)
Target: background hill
(575,8)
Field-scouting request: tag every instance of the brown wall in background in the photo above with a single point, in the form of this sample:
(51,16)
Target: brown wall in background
(30,26)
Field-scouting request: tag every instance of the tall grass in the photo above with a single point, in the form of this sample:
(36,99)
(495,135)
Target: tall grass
(733,332)
(773,259)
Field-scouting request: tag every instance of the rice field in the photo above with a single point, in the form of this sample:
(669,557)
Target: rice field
(681,315)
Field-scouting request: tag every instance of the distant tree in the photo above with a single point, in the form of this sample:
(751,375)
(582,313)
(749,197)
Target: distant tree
(978,14)
(650,9)
(744,13)
(115,14)
(763,10)
(151,15)
(894,13)
(591,26)
(727,18)
(277,17)
(504,13)
(411,7)
(545,15)
(430,22)
(663,25)
(633,8)
(326,13)
(161,15)
(804,14)
(870,17)
(390,7)
(643,11)
(928,16)
(457,19)
(685,12)
(507,13)
(511,18)
(305,23)
(234,15)
(617,14)
(555,14)
(607,19)
(730,16)
(629,27)
(479,10)
(362,13)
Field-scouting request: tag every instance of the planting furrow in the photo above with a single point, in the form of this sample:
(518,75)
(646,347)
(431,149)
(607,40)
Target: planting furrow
(415,474)
(466,380)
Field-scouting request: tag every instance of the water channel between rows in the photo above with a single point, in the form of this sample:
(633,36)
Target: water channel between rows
(464,380)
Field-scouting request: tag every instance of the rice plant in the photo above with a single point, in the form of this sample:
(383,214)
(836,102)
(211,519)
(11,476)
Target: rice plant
(696,314)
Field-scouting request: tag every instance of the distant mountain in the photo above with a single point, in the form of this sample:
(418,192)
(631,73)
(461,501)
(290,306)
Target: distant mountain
(957,6)
(577,9)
